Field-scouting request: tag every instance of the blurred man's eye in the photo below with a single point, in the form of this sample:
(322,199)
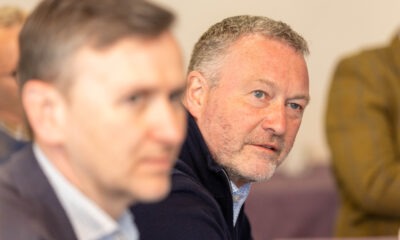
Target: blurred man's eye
(137,98)
(177,95)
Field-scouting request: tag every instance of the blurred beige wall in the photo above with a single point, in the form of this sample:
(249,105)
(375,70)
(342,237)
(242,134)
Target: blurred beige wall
(332,28)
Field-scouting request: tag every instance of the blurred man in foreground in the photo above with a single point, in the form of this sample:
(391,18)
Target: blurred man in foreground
(101,84)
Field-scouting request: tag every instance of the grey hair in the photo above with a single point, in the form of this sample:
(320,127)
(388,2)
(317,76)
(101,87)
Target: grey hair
(213,44)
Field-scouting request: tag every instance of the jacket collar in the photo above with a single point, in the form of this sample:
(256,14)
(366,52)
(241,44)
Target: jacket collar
(196,156)
(33,186)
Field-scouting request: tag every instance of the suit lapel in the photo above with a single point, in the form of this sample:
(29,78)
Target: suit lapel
(36,189)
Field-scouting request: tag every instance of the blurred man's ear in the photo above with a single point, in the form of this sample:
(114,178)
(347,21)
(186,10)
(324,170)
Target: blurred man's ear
(196,93)
(45,110)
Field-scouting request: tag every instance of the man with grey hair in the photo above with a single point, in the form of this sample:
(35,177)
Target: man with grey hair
(12,131)
(247,88)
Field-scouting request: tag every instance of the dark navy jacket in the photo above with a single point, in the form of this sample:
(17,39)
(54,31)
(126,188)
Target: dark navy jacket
(200,204)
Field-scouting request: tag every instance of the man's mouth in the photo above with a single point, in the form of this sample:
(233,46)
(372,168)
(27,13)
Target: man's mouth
(267,146)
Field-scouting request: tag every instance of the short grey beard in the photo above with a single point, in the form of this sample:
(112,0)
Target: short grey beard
(235,175)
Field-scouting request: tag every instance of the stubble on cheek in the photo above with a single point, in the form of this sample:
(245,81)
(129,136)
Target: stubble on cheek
(247,162)
(232,149)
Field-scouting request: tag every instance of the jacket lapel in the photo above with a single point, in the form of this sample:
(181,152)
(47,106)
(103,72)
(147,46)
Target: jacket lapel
(40,197)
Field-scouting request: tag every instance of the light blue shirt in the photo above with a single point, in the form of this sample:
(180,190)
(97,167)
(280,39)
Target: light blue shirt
(88,220)
(239,196)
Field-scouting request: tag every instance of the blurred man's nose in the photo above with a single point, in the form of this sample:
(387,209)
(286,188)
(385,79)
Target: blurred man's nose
(169,123)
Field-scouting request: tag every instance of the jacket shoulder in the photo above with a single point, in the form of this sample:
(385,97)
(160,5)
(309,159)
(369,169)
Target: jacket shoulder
(29,208)
(188,212)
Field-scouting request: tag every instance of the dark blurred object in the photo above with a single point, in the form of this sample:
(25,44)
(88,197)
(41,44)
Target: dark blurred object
(8,145)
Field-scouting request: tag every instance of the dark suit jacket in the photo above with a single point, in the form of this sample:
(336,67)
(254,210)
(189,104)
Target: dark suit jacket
(29,208)
(8,145)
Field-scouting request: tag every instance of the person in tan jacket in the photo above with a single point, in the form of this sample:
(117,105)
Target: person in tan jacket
(363,132)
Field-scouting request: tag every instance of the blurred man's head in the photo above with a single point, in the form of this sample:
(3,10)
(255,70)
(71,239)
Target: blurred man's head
(247,90)
(101,83)
(11,21)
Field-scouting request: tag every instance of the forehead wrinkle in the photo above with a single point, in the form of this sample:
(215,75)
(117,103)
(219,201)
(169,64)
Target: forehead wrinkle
(267,82)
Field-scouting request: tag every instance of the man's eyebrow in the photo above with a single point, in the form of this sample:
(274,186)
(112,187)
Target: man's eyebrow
(151,89)
(267,82)
(272,85)
(301,97)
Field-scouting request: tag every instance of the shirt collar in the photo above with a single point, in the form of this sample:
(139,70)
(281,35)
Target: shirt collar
(242,192)
(239,196)
(87,218)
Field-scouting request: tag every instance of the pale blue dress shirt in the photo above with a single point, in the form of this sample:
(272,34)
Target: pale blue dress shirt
(88,220)
(239,196)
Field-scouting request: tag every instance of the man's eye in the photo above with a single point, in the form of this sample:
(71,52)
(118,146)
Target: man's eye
(134,98)
(295,106)
(137,98)
(259,94)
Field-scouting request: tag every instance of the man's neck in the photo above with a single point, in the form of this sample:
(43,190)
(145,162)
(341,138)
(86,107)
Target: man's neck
(80,180)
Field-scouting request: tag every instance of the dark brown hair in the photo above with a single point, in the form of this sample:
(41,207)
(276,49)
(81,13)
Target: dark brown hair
(57,29)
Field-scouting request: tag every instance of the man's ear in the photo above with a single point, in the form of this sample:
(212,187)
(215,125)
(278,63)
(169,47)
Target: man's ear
(196,93)
(45,110)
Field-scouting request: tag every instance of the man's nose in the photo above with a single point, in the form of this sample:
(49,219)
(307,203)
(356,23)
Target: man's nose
(275,118)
